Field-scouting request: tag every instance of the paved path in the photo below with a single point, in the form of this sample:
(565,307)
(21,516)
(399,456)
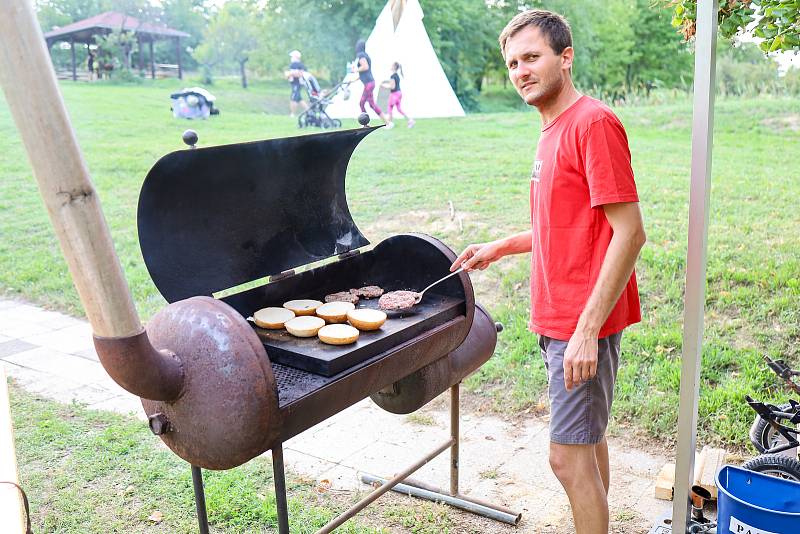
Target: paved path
(503,461)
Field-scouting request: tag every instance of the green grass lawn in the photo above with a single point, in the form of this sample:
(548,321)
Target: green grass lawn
(481,165)
(95,472)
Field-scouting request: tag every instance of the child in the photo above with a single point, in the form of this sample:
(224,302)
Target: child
(395,95)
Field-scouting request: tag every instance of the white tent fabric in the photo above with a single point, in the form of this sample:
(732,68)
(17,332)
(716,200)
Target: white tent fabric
(426,90)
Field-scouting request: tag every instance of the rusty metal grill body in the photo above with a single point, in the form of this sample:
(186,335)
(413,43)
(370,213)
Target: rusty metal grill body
(213,218)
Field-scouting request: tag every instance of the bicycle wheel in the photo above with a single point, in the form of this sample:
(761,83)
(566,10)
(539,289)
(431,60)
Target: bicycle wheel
(776,466)
(763,436)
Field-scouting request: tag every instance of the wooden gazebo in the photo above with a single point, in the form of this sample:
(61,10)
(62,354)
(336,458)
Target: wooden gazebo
(84,32)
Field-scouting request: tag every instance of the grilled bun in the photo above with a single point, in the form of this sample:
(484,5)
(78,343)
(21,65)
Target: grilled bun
(304,326)
(335,312)
(338,334)
(366,318)
(272,318)
(302,306)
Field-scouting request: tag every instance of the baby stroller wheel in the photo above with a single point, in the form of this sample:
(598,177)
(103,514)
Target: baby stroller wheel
(776,466)
(302,120)
(327,123)
(337,123)
(763,436)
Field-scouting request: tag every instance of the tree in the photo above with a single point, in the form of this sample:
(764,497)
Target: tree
(777,22)
(231,36)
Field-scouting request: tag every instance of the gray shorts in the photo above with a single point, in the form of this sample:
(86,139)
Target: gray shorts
(580,416)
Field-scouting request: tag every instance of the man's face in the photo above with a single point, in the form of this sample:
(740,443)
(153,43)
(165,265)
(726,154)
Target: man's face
(536,71)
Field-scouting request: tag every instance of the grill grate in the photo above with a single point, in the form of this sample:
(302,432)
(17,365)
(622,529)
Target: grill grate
(295,383)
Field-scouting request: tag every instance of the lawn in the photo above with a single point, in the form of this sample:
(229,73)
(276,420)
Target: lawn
(480,165)
(95,472)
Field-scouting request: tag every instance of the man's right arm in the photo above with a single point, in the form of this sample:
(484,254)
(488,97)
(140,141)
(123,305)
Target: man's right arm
(480,255)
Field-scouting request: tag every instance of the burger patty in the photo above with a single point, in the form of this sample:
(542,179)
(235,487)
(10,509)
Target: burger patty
(368,292)
(398,300)
(342,296)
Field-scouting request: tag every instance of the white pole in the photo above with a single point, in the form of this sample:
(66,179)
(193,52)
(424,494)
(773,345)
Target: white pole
(695,295)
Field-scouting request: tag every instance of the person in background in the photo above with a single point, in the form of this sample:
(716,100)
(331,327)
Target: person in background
(90,63)
(395,94)
(363,65)
(295,76)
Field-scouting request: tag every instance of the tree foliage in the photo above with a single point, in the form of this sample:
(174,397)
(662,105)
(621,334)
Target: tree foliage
(231,36)
(777,22)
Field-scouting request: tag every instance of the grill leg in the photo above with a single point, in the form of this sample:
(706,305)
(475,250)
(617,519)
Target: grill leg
(454,433)
(280,489)
(200,499)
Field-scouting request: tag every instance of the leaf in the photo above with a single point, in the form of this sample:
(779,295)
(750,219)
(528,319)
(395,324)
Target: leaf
(156,517)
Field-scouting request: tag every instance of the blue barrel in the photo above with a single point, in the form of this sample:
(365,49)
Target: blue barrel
(754,503)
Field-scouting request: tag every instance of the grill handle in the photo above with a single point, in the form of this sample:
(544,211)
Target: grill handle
(31,89)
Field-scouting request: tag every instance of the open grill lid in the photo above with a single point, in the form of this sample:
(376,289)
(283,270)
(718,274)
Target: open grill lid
(212,218)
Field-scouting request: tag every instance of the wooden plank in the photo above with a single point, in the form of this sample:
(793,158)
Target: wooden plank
(12,513)
(665,482)
(713,460)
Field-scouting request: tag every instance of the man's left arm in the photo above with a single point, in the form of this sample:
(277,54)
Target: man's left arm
(580,356)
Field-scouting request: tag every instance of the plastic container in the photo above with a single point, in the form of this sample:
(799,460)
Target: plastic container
(754,503)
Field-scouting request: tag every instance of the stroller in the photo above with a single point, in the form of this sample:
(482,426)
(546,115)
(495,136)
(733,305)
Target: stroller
(319,100)
(193,103)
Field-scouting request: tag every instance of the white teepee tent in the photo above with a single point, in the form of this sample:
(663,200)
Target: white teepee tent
(399,35)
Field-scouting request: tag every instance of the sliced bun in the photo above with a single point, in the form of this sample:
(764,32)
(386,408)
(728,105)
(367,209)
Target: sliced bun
(335,312)
(304,326)
(272,318)
(366,318)
(338,334)
(302,306)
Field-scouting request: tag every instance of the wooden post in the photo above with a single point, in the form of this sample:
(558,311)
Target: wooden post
(11,509)
(178,52)
(72,50)
(31,90)
(139,52)
(152,60)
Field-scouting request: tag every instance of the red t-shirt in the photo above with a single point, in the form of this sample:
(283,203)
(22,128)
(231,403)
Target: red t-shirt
(582,162)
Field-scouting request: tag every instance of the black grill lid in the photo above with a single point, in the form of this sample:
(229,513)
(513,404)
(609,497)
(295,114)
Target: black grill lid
(213,218)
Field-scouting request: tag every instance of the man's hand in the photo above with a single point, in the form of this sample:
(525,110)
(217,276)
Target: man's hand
(580,359)
(478,256)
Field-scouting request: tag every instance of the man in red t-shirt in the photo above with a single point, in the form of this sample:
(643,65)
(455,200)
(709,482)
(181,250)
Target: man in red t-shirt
(586,233)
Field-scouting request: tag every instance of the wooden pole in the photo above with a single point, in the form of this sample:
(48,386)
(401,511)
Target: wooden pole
(178,53)
(72,51)
(31,89)
(11,509)
(152,60)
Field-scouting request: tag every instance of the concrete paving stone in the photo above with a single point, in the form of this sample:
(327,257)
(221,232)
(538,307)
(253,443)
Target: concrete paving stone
(87,354)
(385,460)
(32,314)
(8,303)
(4,339)
(300,462)
(44,384)
(333,443)
(343,478)
(14,346)
(92,394)
(126,405)
(17,329)
(60,365)
(67,340)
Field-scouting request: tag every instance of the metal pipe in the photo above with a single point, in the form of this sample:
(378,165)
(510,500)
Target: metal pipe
(200,499)
(279,476)
(430,487)
(387,485)
(695,293)
(454,434)
(138,367)
(457,501)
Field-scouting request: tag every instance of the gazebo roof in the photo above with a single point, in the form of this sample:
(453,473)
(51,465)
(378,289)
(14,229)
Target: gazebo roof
(84,30)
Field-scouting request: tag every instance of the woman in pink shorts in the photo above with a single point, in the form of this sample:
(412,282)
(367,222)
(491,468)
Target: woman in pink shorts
(395,94)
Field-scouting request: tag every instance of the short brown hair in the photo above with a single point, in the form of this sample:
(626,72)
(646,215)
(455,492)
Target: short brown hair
(552,25)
